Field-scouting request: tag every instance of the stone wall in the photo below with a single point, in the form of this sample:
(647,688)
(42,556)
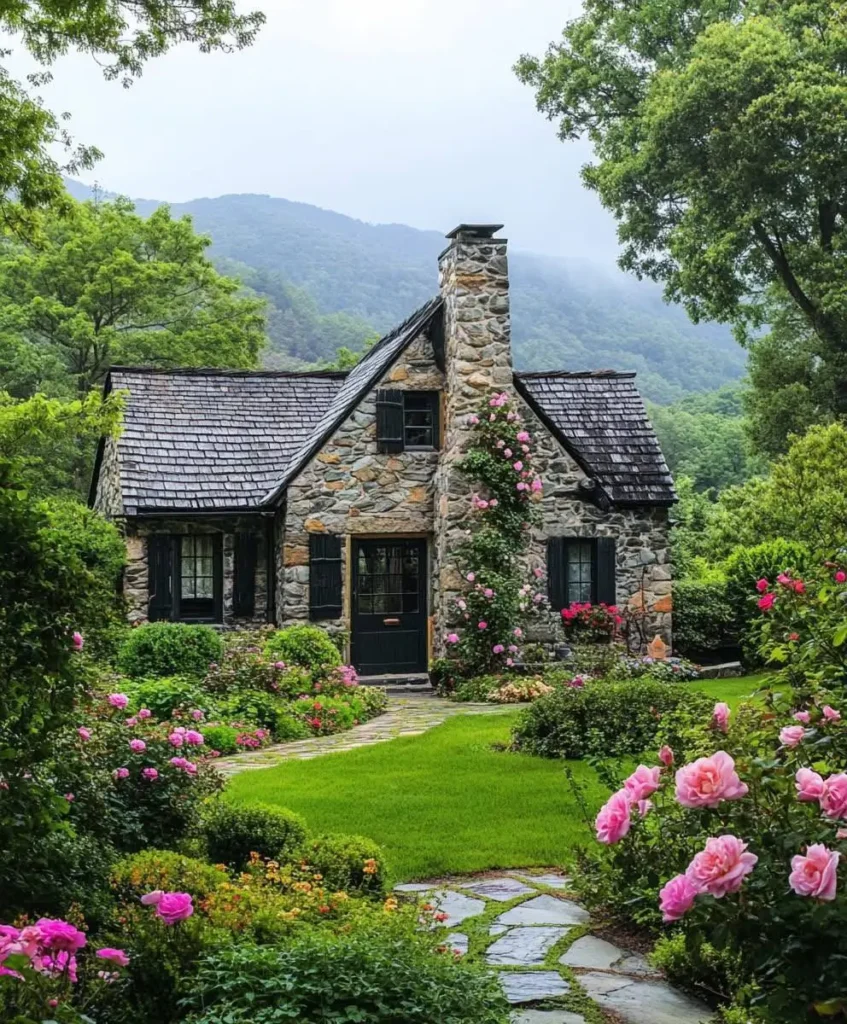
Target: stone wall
(351,488)
(136,592)
(109,500)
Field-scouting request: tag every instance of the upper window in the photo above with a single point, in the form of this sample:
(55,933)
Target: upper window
(420,419)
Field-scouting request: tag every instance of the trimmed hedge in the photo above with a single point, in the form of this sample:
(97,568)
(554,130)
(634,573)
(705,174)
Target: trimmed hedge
(170,649)
(308,646)
(703,619)
(602,719)
(350,864)
(233,832)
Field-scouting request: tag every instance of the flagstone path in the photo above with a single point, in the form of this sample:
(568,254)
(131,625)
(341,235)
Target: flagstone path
(552,968)
(406,716)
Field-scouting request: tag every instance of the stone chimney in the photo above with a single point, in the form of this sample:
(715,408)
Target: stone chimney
(474,280)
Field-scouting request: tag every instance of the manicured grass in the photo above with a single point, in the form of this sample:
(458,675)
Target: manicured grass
(438,803)
(732,691)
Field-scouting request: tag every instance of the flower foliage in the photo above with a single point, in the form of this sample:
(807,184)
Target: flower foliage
(489,618)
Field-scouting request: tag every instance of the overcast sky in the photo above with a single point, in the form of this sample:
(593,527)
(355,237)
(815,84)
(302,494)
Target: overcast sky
(386,110)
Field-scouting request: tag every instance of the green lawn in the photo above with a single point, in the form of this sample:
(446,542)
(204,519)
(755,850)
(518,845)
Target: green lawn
(446,801)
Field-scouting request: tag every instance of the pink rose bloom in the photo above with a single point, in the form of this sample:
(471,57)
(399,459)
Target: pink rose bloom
(830,714)
(493,503)
(70,797)
(809,785)
(792,735)
(151,899)
(518,466)
(834,799)
(676,898)
(802,716)
(175,739)
(489,593)
(178,762)
(721,866)
(197,715)
(709,780)
(83,733)
(577,683)
(482,625)
(841,576)
(473,420)
(666,756)
(191,768)
(498,648)
(452,638)
(644,807)
(513,648)
(762,585)
(523,436)
(510,662)
(642,783)
(60,935)
(194,738)
(77,641)
(470,577)
(841,833)
(57,965)
(517,631)
(180,729)
(174,907)
(521,486)
(537,485)
(137,746)
(145,713)
(150,774)
(121,773)
(613,821)
(461,605)
(118,700)
(766,602)
(720,716)
(116,956)
(815,874)
(507,453)
(131,722)
(537,573)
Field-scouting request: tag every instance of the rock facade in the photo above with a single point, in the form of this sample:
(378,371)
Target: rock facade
(108,499)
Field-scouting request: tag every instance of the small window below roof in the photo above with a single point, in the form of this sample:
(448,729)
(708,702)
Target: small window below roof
(420,419)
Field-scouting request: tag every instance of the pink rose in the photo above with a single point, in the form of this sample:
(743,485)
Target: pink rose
(151,899)
(131,722)
(841,576)
(521,486)
(762,585)
(461,605)
(830,714)
(802,716)
(644,807)
(83,733)
(77,641)
(510,662)
(676,898)
(766,602)
(720,716)
(666,756)
(507,453)
(523,436)
(537,485)
(518,466)
(613,821)
(174,907)
(791,735)
(642,783)
(197,714)
(489,593)
(482,625)
(61,963)
(815,874)
(137,746)
(709,780)
(118,700)
(721,866)
(537,572)
(70,797)
(841,834)
(145,713)
(178,762)
(116,956)
(194,738)
(498,648)
(60,935)
(809,785)
(452,638)
(834,798)
(121,773)
(470,577)
(150,774)
(473,420)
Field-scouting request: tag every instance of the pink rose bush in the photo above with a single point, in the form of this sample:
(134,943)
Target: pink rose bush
(708,781)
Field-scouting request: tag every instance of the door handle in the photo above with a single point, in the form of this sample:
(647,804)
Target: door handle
(391,622)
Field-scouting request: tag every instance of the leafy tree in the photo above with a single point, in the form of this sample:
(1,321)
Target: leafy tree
(105,285)
(719,128)
(122,35)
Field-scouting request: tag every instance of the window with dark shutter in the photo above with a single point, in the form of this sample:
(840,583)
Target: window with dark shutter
(389,420)
(557,574)
(198,571)
(420,419)
(606,591)
(580,570)
(160,563)
(325,596)
(244,569)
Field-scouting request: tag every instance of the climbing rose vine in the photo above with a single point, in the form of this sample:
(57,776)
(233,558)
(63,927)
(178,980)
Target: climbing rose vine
(488,627)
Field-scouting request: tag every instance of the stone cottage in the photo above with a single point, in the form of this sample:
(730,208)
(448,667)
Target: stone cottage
(256,497)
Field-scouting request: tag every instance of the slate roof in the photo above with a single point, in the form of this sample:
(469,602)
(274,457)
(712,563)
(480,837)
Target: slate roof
(600,418)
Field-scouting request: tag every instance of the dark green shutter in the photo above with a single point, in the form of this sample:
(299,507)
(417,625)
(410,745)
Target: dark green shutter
(557,572)
(389,421)
(605,574)
(325,597)
(160,566)
(244,569)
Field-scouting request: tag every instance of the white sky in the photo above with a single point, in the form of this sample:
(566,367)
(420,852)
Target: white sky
(386,110)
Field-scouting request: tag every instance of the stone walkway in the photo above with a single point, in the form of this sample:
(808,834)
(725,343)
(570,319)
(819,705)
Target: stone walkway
(406,716)
(552,968)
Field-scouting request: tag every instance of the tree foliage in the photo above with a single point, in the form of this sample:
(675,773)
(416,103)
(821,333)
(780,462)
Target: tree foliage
(719,129)
(106,286)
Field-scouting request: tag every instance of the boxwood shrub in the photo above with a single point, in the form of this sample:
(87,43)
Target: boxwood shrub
(602,719)
(350,864)
(233,832)
(307,646)
(170,649)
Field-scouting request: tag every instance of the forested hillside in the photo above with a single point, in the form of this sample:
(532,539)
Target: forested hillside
(332,281)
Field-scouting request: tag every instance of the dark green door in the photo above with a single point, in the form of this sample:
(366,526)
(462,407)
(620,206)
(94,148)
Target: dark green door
(389,606)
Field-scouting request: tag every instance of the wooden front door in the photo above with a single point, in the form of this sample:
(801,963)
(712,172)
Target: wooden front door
(389,620)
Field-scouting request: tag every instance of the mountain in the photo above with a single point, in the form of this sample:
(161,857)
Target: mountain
(332,280)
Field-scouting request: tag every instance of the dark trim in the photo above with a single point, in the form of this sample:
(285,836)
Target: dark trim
(146,512)
(270,567)
(206,371)
(101,448)
(538,374)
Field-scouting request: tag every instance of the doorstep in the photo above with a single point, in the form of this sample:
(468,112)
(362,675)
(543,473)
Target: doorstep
(404,682)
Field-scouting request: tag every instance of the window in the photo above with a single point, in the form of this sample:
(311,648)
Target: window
(420,419)
(185,577)
(581,570)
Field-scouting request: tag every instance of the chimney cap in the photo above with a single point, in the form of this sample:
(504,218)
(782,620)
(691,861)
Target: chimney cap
(474,231)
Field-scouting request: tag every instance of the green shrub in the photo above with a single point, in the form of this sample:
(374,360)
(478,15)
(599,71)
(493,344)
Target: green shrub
(703,619)
(168,694)
(143,872)
(233,832)
(602,719)
(350,864)
(221,738)
(374,701)
(366,977)
(325,715)
(254,707)
(170,649)
(704,971)
(476,690)
(289,728)
(307,646)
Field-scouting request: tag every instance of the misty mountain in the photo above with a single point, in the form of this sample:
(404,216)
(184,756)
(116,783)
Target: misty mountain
(331,280)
